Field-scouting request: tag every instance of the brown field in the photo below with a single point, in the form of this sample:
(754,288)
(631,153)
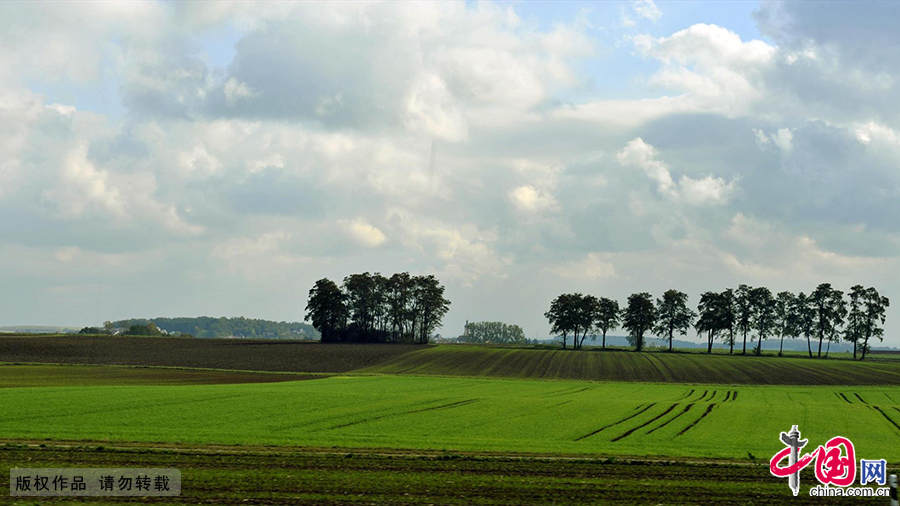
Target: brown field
(235,354)
(17,376)
(229,475)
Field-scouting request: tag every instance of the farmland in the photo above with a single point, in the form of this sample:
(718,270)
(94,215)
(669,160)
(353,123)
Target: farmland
(446,360)
(463,414)
(234,354)
(279,476)
(436,424)
(55,375)
(480,361)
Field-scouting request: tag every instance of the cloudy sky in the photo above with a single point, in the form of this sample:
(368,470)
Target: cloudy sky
(183,159)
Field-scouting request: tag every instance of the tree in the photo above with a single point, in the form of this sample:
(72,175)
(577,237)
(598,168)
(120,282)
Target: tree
(560,316)
(785,323)
(607,317)
(326,308)
(823,300)
(673,315)
(838,314)
(432,304)
(494,333)
(638,318)
(711,310)
(743,311)
(855,330)
(875,307)
(585,316)
(804,315)
(727,316)
(572,313)
(763,314)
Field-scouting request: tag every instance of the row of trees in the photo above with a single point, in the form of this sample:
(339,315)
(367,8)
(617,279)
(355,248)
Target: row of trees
(823,316)
(373,308)
(493,333)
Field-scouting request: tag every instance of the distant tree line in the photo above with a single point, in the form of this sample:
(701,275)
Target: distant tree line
(373,308)
(493,333)
(206,326)
(823,316)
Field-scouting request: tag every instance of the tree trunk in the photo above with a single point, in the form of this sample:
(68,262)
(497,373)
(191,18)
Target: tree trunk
(731,341)
(855,346)
(781,348)
(670,340)
(745,344)
(709,341)
(759,347)
(821,336)
(808,346)
(604,339)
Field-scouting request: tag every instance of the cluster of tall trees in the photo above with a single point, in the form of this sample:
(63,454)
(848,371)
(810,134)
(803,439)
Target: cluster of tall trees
(825,315)
(493,333)
(374,308)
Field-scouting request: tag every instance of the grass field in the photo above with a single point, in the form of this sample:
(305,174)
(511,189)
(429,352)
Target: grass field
(464,414)
(609,365)
(439,424)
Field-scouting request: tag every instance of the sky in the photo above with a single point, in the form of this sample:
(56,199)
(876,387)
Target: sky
(207,158)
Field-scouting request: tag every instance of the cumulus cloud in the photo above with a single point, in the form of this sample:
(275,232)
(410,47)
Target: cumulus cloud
(592,267)
(709,190)
(221,148)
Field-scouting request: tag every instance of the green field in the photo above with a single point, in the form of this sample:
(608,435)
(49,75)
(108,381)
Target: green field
(436,424)
(595,365)
(464,414)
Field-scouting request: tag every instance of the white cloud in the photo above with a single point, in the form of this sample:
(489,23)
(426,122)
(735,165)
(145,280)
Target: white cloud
(363,233)
(530,200)
(646,9)
(235,90)
(592,267)
(709,190)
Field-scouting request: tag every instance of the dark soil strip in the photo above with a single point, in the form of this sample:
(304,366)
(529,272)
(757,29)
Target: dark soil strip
(443,406)
(691,426)
(733,395)
(860,398)
(685,396)
(670,420)
(727,396)
(702,396)
(561,403)
(616,423)
(845,398)
(713,396)
(839,397)
(641,426)
(886,417)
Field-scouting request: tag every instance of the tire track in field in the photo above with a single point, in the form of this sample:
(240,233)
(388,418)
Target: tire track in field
(685,396)
(641,426)
(713,396)
(727,396)
(691,426)
(876,408)
(860,398)
(670,420)
(615,423)
(389,415)
(734,395)
(845,398)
